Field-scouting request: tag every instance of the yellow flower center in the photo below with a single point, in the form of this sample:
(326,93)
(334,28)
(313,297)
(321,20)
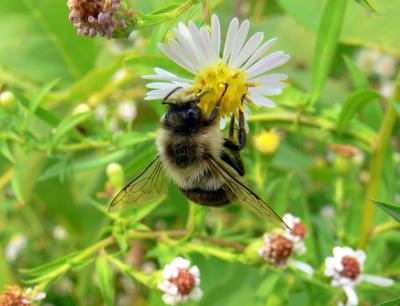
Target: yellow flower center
(267,141)
(214,80)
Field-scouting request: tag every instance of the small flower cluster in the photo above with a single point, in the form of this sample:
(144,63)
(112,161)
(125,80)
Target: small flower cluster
(346,267)
(181,282)
(17,296)
(281,246)
(14,248)
(381,66)
(96,17)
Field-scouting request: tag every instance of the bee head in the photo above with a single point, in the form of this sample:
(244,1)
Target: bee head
(185,116)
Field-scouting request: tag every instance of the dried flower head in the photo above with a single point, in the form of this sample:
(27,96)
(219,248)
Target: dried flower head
(345,150)
(298,233)
(278,249)
(17,296)
(104,17)
(181,282)
(346,267)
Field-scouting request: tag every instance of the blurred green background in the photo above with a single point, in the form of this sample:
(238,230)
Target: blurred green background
(68,124)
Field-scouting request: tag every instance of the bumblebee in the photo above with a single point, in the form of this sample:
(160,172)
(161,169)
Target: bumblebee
(194,154)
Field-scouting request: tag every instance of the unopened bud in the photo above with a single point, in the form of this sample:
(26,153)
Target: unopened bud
(8,101)
(81,109)
(115,175)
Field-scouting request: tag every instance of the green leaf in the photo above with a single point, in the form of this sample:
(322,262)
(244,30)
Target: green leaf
(66,125)
(39,97)
(366,4)
(355,102)
(395,105)
(357,77)
(374,32)
(394,302)
(106,280)
(328,36)
(40,112)
(138,213)
(392,210)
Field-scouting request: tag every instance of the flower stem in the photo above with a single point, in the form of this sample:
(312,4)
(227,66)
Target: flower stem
(375,171)
(317,122)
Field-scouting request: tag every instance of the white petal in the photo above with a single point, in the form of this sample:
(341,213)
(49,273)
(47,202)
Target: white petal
(351,294)
(377,280)
(306,268)
(184,36)
(215,35)
(222,122)
(268,90)
(169,299)
(249,48)
(176,55)
(230,38)
(269,62)
(361,256)
(196,294)
(239,41)
(260,100)
(205,37)
(180,263)
(195,271)
(259,53)
(339,252)
(269,78)
(200,45)
(168,271)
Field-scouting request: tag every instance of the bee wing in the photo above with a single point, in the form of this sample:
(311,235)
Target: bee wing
(244,194)
(149,185)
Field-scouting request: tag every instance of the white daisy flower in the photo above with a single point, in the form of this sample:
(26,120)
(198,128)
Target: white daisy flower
(59,232)
(127,111)
(385,66)
(181,282)
(346,270)
(366,59)
(101,112)
(387,89)
(16,245)
(278,251)
(298,233)
(242,65)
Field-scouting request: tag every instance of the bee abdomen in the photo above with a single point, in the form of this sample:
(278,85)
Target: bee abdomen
(218,197)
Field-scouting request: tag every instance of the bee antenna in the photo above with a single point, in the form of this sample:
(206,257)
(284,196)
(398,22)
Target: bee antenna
(170,94)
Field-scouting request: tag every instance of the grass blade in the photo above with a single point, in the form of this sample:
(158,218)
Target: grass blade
(328,36)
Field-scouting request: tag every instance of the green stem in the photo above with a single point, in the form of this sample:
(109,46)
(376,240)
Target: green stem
(314,122)
(375,172)
(385,227)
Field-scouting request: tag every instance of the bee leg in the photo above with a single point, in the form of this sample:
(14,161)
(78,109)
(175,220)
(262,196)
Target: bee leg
(215,111)
(242,136)
(234,161)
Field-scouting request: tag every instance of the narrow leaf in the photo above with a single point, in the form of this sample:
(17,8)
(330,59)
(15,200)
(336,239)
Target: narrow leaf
(355,102)
(394,302)
(357,77)
(392,210)
(40,112)
(327,40)
(66,125)
(106,280)
(39,97)
(366,4)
